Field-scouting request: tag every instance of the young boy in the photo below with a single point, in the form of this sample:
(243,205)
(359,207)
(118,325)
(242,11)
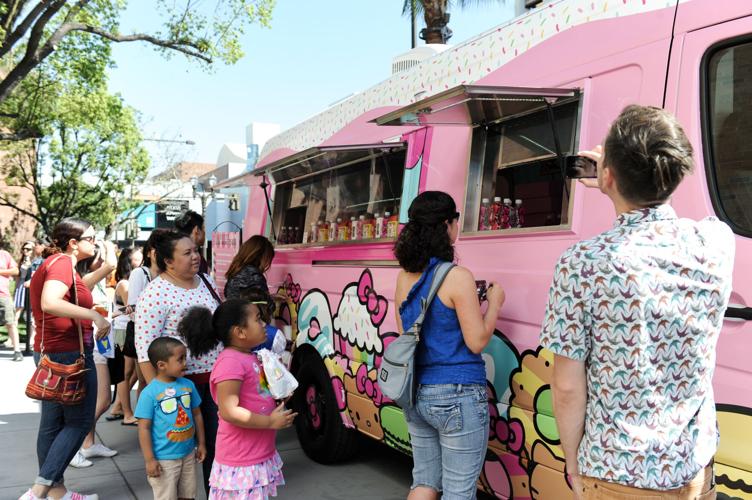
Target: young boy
(170,424)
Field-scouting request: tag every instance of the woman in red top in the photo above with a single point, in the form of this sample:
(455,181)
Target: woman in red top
(62,428)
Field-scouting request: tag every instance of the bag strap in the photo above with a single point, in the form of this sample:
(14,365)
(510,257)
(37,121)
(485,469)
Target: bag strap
(211,288)
(442,270)
(146,273)
(75,297)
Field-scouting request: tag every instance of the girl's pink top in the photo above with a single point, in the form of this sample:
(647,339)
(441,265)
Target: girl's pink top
(238,446)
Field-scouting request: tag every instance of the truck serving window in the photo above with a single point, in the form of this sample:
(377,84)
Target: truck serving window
(338,198)
(728,128)
(515,178)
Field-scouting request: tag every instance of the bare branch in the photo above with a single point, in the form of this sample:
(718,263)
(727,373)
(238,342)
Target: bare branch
(184,46)
(6,202)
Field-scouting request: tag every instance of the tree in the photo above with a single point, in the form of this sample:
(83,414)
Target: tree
(30,31)
(436,15)
(93,151)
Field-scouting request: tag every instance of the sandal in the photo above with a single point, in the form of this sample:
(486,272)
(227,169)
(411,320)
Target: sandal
(132,424)
(114,416)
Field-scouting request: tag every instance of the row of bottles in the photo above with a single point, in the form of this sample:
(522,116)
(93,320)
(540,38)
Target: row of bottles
(500,215)
(365,227)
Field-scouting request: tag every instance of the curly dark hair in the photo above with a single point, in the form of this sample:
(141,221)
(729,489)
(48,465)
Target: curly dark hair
(425,234)
(203,330)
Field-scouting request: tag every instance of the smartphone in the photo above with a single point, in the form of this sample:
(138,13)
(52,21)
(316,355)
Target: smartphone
(481,287)
(581,167)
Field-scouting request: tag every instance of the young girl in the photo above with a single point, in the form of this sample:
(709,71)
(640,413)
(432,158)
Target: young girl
(246,465)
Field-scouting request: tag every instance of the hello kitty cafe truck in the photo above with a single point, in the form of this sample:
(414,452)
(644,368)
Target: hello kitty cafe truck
(478,122)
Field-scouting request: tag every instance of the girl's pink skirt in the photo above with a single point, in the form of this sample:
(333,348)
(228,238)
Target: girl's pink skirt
(252,482)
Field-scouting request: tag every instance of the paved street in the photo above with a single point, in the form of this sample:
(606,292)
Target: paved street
(377,473)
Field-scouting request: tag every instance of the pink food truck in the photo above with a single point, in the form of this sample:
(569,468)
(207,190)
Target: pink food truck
(487,121)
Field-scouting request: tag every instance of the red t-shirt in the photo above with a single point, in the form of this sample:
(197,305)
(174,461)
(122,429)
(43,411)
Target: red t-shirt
(60,334)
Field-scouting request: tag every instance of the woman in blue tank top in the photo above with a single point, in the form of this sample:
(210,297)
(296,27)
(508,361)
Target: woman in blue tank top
(449,423)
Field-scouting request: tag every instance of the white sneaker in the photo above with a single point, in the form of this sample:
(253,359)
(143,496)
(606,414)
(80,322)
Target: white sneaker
(29,496)
(72,495)
(79,462)
(98,450)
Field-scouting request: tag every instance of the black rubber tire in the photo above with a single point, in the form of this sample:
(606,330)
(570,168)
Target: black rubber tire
(322,435)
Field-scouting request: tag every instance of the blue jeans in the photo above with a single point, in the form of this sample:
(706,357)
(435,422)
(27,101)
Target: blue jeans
(449,435)
(62,428)
(210,413)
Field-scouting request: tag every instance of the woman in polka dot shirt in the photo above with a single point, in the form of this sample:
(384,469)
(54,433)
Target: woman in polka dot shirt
(160,308)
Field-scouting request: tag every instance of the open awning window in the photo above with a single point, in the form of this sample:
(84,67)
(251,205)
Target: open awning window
(321,159)
(476,105)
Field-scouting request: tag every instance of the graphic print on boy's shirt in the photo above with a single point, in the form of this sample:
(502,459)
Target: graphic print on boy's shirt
(170,408)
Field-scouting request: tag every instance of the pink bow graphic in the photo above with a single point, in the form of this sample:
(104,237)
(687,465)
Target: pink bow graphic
(367,386)
(375,304)
(292,289)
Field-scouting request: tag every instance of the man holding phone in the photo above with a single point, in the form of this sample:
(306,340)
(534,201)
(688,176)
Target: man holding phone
(633,318)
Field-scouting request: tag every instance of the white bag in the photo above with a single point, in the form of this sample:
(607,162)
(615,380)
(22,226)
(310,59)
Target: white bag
(280,380)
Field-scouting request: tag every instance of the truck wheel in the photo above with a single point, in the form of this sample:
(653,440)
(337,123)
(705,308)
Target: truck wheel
(323,436)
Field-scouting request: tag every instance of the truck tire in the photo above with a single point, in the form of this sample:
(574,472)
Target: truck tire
(322,435)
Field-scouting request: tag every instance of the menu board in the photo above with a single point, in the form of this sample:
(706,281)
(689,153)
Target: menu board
(225,246)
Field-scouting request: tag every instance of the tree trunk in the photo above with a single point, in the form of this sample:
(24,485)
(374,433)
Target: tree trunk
(434,13)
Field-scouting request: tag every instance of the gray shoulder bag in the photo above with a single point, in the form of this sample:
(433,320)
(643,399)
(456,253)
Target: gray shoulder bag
(397,372)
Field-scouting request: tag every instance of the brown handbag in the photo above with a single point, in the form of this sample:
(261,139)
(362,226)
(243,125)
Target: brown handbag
(58,382)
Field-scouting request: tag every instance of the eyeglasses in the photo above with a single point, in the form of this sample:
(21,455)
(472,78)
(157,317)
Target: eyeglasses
(27,249)
(90,239)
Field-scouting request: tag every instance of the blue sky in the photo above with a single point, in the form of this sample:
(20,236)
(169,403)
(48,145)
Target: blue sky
(315,53)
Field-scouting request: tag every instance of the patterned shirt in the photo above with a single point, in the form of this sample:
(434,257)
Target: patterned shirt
(642,305)
(160,308)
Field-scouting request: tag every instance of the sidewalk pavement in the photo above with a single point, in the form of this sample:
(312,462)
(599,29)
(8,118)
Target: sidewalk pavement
(378,472)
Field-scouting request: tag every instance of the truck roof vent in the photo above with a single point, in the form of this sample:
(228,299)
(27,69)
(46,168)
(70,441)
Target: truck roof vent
(415,56)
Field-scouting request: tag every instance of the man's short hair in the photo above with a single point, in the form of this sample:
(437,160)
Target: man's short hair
(648,153)
(187,221)
(161,349)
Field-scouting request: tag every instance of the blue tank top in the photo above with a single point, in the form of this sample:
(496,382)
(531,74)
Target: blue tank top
(442,356)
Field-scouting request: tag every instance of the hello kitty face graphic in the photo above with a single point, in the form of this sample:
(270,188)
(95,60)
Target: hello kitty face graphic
(171,402)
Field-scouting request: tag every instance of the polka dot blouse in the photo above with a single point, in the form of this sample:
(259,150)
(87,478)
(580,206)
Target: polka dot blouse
(160,308)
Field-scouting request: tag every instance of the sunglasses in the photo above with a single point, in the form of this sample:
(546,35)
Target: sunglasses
(27,249)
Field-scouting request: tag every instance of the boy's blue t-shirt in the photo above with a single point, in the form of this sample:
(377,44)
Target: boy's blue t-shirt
(170,406)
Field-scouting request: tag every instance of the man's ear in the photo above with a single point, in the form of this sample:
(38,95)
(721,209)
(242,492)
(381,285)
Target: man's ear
(161,364)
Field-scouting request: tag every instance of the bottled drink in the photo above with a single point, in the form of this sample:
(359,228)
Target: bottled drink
(343,233)
(520,210)
(495,218)
(298,238)
(282,240)
(333,230)
(323,231)
(385,228)
(485,214)
(368,229)
(392,226)
(379,230)
(353,228)
(314,233)
(506,213)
